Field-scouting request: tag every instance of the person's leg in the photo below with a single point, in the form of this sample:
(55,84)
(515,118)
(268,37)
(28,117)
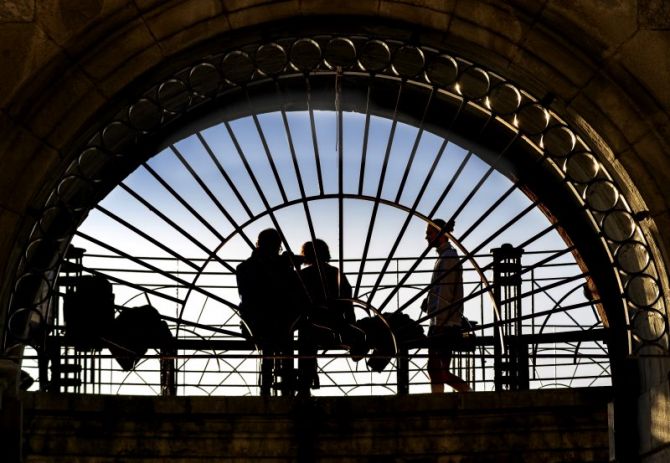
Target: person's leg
(439,359)
(307,365)
(267,366)
(452,380)
(435,371)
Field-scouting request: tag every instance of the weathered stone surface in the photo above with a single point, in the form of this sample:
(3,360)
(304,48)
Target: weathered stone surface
(102,46)
(647,57)
(616,22)
(25,51)
(428,14)
(26,161)
(653,14)
(497,29)
(64,20)
(179,16)
(244,13)
(542,426)
(118,49)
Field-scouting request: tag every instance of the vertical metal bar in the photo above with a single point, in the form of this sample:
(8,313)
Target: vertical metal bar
(364,148)
(224,174)
(183,202)
(211,195)
(380,186)
(301,185)
(312,125)
(157,270)
(266,149)
(415,146)
(417,200)
(176,227)
(340,171)
(463,259)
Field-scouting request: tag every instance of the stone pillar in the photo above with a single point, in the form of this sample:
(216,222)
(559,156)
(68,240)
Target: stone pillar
(11,412)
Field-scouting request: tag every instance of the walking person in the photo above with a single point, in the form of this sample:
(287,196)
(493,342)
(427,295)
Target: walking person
(444,303)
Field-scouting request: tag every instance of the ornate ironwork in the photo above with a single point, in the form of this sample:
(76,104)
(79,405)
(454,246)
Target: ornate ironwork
(458,97)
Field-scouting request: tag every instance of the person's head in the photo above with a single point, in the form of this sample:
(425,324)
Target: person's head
(436,232)
(312,251)
(269,241)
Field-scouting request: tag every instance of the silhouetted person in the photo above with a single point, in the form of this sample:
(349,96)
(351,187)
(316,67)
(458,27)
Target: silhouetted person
(328,289)
(272,300)
(445,303)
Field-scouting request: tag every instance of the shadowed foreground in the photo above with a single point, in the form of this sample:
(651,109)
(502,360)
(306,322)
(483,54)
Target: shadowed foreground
(567,425)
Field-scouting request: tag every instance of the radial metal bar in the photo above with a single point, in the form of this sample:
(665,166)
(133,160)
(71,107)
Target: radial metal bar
(183,202)
(415,147)
(484,289)
(312,125)
(366,135)
(121,281)
(340,172)
(419,197)
(380,186)
(175,226)
(266,203)
(210,194)
(147,237)
(224,174)
(266,148)
(301,186)
(160,271)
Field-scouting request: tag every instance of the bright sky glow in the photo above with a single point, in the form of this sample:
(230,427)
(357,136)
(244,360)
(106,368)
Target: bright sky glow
(202,244)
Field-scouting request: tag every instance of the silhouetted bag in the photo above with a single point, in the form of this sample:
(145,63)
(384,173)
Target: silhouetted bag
(134,331)
(88,310)
(380,339)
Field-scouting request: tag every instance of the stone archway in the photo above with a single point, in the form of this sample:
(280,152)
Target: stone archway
(36,129)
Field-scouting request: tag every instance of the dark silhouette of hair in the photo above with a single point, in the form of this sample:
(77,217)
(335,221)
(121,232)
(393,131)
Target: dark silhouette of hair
(443,225)
(269,241)
(312,251)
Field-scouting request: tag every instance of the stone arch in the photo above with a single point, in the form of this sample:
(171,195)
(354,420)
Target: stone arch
(42,121)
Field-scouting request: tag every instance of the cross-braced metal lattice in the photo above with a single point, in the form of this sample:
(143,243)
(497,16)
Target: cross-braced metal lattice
(362,142)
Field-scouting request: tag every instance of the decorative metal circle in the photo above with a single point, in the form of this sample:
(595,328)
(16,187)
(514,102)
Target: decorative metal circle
(340,52)
(42,253)
(643,290)
(442,70)
(474,83)
(204,79)
(145,115)
(504,99)
(305,55)
(632,257)
(533,119)
(179,94)
(601,195)
(558,141)
(619,226)
(78,191)
(408,61)
(117,134)
(649,325)
(375,56)
(173,95)
(23,321)
(34,285)
(582,167)
(271,59)
(237,67)
(57,222)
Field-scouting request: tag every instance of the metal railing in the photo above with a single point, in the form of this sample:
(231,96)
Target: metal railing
(562,340)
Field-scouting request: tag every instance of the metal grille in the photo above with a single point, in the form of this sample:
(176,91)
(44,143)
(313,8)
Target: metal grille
(351,138)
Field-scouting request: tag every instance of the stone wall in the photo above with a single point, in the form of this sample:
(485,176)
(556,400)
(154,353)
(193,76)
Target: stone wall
(567,425)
